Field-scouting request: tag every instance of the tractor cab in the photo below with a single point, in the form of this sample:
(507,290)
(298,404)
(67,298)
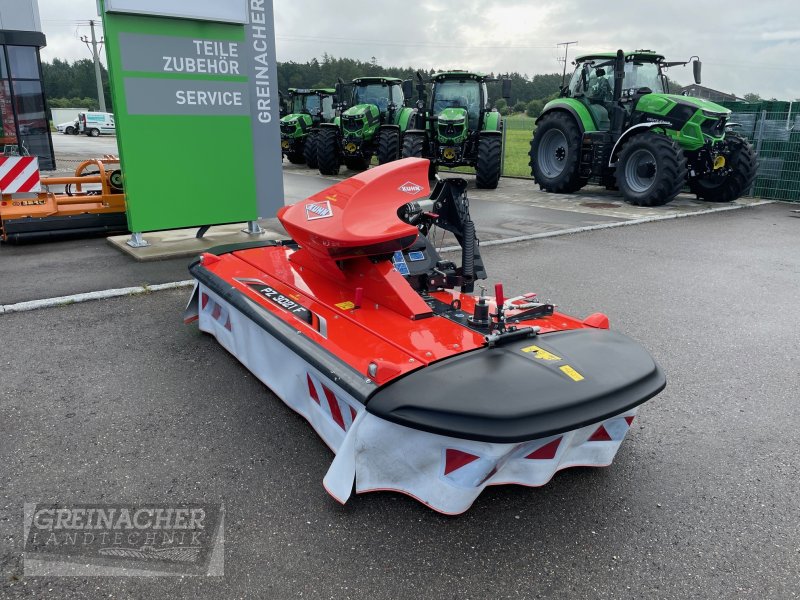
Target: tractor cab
(316,102)
(639,73)
(459,97)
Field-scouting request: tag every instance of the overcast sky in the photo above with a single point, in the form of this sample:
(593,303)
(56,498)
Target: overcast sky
(745,46)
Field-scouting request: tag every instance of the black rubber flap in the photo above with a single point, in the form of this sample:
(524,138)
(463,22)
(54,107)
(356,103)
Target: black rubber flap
(525,390)
(33,229)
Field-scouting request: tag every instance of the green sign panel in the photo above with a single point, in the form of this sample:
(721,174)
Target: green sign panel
(197,111)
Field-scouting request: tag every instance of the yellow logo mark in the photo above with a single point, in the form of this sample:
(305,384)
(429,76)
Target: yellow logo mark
(541,353)
(346,305)
(571,373)
(332,198)
(719,162)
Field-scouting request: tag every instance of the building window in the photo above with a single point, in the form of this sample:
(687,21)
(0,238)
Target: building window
(25,129)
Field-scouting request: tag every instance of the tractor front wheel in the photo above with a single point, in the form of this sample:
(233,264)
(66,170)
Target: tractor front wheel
(414,146)
(356,163)
(310,150)
(388,146)
(296,157)
(328,151)
(739,176)
(651,169)
(555,154)
(487,169)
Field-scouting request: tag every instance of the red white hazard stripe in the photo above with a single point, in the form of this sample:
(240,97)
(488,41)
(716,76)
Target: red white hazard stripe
(19,174)
(339,411)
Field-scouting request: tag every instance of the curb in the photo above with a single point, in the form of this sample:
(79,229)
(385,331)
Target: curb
(85,297)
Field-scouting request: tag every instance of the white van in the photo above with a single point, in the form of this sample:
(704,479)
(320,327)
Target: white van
(96,123)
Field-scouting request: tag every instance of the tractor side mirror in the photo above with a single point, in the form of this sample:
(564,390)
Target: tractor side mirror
(408,88)
(696,67)
(506,88)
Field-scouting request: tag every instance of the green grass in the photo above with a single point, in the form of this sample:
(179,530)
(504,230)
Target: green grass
(518,144)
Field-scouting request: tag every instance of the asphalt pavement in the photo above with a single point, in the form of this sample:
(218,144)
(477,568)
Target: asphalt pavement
(117,400)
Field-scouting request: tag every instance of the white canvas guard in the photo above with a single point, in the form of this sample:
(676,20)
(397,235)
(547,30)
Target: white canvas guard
(445,473)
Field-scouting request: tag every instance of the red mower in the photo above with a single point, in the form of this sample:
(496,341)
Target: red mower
(415,383)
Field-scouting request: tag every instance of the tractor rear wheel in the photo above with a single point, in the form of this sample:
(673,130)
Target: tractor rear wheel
(328,151)
(555,154)
(310,150)
(741,172)
(487,169)
(413,146)
(356,163)
(651,169)
(388,146)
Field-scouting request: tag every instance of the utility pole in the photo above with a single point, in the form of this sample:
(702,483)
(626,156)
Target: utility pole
(566,49)
(101,99)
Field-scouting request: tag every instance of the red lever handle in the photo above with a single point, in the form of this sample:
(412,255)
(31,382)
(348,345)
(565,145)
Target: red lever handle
(359,296)
(499,297)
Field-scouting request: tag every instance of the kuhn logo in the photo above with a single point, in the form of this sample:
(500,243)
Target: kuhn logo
(410,187)
(318,210)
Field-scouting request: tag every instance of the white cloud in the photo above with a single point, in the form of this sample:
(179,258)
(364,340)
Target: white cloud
(745,46)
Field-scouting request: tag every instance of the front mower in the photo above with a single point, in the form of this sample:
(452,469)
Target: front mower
(300,129)
(373,125)
(458,127)
(615,122)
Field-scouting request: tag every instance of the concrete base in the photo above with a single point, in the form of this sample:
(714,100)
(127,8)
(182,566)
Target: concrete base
(174,243)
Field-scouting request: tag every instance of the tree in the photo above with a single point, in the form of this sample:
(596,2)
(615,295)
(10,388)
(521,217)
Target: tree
(534,108)
(520,107)
(752,97)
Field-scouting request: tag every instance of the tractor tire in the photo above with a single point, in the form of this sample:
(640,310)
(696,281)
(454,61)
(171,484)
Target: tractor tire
(727,188)
(555,154)
(487,169)
(651,169)
(388,146)
(296,158)
(356,163)
(310,150)
(328,151)
(413,146)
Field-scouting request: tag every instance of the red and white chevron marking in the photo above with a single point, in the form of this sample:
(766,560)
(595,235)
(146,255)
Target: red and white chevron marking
(19,174)
(339,411)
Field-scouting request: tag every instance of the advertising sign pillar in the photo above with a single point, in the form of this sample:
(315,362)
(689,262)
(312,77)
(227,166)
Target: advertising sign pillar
(195,91)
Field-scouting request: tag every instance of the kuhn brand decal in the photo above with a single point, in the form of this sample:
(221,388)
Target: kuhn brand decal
(409,187)
(318,210)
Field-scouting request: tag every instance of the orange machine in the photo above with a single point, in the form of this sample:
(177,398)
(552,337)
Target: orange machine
(76,211)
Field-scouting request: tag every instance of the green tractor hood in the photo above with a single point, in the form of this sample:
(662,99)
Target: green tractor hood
(360,121)
(451,126)
(694,121)
(295,125)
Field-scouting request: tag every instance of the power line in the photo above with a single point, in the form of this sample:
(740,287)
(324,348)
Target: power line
(405,43)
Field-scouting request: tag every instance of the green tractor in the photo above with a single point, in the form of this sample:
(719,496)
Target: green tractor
(458,127)
(308,109)
(616,122)
(372,125)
